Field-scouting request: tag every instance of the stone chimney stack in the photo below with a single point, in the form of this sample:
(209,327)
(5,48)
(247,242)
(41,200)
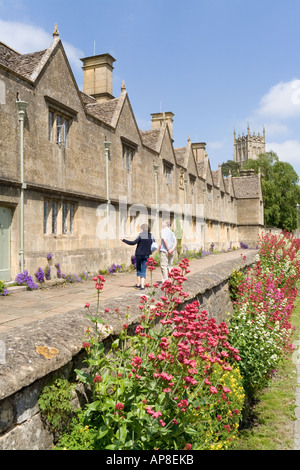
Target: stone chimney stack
(199,151)
(98,76)
(159,118)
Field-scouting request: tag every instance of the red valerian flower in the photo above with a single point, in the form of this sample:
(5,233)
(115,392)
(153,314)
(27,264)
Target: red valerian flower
(136,361)
(188,447)
(119,406)
(97,379)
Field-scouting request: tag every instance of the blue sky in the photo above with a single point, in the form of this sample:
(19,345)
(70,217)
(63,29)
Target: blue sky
(216,64)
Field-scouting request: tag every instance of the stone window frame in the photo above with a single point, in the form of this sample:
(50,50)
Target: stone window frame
(192,179)
(167,172)
(129,150)
(64,115)
(58,217)
(58,128)
(209,192)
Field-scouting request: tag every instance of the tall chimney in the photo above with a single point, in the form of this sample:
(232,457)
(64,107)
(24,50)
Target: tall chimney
(159,118)
(97,76)
(199,151)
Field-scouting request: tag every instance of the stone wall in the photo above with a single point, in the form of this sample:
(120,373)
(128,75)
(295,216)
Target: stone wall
(24,372)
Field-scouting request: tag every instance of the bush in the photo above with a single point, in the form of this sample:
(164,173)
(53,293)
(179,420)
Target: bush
(175,384)
(234,283)
(55,404)
(260,327)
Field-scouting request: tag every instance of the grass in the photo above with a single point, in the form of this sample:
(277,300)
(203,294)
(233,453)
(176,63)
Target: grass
(272,427)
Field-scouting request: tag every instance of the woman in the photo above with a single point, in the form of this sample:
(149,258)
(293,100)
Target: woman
(142,253)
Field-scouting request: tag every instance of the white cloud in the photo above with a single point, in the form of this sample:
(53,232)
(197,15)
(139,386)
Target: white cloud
(288,151)
(282,101)
(26,38)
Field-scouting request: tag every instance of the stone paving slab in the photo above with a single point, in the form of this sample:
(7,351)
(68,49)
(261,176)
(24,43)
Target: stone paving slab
(16,308)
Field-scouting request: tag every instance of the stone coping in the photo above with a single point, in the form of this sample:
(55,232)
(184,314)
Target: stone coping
(66,332)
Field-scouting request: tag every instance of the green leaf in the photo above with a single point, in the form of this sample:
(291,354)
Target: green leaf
(109,403)
(102,432)
(95,406)
(191,431)
(111,447)
(121,433)
(95,319)
(84,377)
(115,344)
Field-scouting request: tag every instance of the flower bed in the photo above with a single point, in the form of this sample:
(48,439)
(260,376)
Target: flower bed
(175,384)
(182,380)
(260,327)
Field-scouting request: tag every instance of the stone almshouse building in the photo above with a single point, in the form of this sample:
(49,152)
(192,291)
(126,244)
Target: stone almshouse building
(54,171)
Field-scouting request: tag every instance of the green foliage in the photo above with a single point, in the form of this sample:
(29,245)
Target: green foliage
(230,167)
(3,290)
(274,412)
(280,189)
(55,404)
(234,282)
(79,436)
(260,325)
(156,389)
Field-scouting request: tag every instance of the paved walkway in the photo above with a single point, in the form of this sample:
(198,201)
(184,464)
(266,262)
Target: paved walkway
(24,306)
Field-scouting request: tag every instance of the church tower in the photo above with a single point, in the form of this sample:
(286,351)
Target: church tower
(248,147)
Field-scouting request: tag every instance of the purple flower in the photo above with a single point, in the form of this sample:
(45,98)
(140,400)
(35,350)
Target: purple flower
(59,275)
(40,275)
(25,279)
(48,273)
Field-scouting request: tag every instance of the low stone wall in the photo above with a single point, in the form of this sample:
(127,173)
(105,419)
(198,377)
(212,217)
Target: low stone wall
(26,369)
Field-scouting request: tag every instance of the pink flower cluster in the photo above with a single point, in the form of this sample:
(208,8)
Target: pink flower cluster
(99,282)
(171,366)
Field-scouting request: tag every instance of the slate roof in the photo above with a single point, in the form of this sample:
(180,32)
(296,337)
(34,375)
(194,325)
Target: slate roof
(215,175)
(150,138)
(22,64)
(180,154)
(103,111)
(29,65)
(246,187)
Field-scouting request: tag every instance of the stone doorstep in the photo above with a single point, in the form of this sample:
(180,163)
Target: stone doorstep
(51,283)
(11,289)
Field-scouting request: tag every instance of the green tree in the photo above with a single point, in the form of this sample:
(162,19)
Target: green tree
(281,191)
(230,167)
